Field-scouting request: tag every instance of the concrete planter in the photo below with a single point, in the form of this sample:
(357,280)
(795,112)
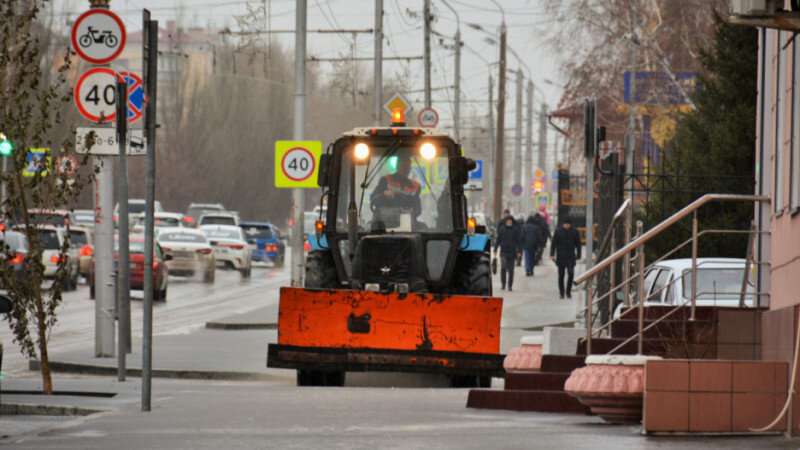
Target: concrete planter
(611,385)
(525,358)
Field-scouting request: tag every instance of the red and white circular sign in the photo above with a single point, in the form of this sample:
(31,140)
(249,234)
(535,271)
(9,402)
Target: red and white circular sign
(96,94)
(428,117)
(298,164)
(98,36)
(67,164)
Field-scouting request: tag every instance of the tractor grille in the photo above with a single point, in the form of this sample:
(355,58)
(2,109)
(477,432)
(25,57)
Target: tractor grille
(394,254)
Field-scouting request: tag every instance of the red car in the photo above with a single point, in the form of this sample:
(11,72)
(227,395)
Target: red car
(160,273)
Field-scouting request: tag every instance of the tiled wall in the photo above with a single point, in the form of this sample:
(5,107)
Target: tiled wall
(713,396)
(739,334)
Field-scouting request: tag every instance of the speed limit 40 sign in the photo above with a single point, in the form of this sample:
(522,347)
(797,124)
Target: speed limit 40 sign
(96,94)
(297,163)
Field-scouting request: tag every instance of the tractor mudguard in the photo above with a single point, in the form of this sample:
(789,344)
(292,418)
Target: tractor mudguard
(355,330)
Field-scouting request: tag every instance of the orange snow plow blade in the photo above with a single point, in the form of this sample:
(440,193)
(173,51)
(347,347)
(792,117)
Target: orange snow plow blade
(363,330)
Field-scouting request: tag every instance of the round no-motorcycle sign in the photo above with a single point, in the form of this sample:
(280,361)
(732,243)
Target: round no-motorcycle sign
(297,163)
(98,36)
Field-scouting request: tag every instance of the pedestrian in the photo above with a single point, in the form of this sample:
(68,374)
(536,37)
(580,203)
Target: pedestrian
(520,221)
(531,238)
(565,250)
(544,228)
(509,242)
(502,222)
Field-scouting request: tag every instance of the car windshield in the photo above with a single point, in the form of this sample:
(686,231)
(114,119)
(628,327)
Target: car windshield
(221,234)
(165,222)
(218,220)
(257,232)
(48,219)
(714,283)
(49,239)
(197,211)
(133,246)
(182,237)
(397,190)
(78,238)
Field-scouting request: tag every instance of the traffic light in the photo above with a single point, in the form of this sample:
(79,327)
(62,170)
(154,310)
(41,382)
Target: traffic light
(5,145)
(537,186)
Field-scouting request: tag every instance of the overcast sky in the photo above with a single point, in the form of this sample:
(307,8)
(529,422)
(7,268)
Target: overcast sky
(403,33)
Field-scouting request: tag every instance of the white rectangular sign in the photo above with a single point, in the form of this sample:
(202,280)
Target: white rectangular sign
(105,141)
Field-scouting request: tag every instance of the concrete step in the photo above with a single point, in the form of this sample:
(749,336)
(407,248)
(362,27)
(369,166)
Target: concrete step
(536,381)
(601,346)
(561,363)
(525,400)
(625,328)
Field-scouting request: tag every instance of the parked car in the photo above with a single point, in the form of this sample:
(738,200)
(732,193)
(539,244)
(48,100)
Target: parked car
(54,217)
(52,241)
(198,209)
(719,283)
(136,255)
(18,252)
(230,247)
(219,218)
(265,241)
(81,218)
(81,239)
(187,252)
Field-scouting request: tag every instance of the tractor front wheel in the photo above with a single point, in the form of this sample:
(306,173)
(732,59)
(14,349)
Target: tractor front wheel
(321,270)
(473,274)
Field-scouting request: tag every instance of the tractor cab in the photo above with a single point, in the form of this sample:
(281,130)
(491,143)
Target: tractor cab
(398,214)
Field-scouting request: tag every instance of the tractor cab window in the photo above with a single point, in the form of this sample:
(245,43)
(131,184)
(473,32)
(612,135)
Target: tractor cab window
(397,189)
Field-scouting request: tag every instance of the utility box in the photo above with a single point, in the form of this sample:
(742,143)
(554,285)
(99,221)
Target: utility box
(753,7)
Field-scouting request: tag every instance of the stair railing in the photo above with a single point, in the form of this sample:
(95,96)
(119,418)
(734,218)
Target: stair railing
(637,245)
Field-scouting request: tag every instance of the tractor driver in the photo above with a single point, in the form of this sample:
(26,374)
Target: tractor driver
(396,192)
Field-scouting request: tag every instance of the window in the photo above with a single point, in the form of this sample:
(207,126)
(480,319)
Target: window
(649,279)
(658,285)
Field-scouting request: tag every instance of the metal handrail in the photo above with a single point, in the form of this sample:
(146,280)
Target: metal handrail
(692,207)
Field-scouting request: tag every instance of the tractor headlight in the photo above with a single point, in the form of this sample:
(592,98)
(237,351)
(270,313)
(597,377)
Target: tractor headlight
(362,151)
(428,150)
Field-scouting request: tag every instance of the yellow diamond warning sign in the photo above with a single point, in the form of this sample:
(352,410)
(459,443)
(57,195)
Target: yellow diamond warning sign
(397,101)
(538,173)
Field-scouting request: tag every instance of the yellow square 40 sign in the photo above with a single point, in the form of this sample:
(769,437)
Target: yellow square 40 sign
(297,163)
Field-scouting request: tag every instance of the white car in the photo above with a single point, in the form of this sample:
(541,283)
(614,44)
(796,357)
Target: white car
(187,252)
(219,218)
(160,220)
(52,240)
(230,247)
(719,283)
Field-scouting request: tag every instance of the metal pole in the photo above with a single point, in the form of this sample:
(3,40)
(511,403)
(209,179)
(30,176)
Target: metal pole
(355,69)
(298,195)
(590,198)
(123,277)
(626,268)
(542,157)
(518,136)
(694,263)
(491,134)
(747,261)
(589,318)
(150,54)
(528,178)
(631,138)
(497,201)
(104,326)
(613,278)
(3,200)
(640,344)
(427,53)
(377,95)
(457,89)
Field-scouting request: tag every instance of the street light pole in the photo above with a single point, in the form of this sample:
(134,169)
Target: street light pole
(298,196)
(631,138)
(377,80)
(518,136)
(457,88)
(528,178)
(427,54)
(497,201)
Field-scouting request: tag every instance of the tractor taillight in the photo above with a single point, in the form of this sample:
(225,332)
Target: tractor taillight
(318,225)
(471,223)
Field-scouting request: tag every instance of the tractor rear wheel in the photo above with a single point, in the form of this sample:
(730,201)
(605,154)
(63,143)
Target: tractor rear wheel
(473,274)
(321,270)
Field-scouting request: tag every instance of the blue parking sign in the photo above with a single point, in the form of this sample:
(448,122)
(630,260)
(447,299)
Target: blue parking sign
(477,173)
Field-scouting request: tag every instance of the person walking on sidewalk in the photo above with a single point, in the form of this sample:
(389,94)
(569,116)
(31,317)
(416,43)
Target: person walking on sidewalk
(565,250)
(509,241)
(544,226)
(531,241)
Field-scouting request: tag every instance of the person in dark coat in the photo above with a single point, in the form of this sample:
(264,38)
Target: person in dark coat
(510,243)
(544,230)
(531,241)
(501,223)
(565,250)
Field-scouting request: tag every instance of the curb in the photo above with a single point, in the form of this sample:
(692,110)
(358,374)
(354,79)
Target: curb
(542,327)
(89,369)
(241,326)
(46,410)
